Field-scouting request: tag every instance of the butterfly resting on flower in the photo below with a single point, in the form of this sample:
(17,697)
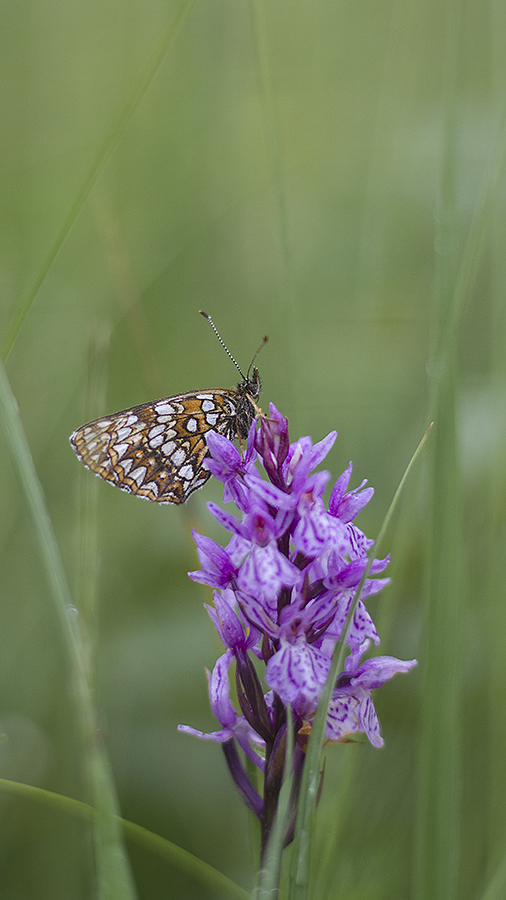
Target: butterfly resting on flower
(156,450)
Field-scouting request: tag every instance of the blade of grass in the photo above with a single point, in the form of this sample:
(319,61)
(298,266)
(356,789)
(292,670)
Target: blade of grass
(88,536)
(105,151)
(182,859)
(299,889)
(107,835)
(439,821)
(496,889)
(114,879)
(269,875)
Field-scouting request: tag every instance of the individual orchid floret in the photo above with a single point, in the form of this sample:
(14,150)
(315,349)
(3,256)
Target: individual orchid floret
(346,506)
(272,443)
(351,708)
(361,627)
(266,568)
(316,531)
(233,726)
(302,458)
(298,670)
(227,623)
(228,465)
(218,569)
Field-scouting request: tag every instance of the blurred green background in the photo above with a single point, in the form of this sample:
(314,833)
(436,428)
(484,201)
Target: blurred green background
(312,171)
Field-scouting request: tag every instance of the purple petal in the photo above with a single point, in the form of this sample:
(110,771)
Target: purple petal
(342,577)
(251,453)
(220,736)
(359,545)
(269,493)
(342,718)
(368,721)
(223,452)
(260,612)
(349,714)
(316,530)
(272,443)
(237,548)
(362,626)
(339,490)
(227,622)
(219,691)
(354,502)
(217,567)
(320,450)
(230,522)
(266,570)
(375,671)
(277,420)
(259,526)
(344,505)
(297,672)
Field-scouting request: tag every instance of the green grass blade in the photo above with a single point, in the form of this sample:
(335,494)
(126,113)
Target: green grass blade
(113,869)
(270,873)
(496,889)
(439,829)
(182,859)
(309,788)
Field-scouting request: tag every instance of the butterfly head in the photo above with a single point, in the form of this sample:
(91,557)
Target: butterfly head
(252,385)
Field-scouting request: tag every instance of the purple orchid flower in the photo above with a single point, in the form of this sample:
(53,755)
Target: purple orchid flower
(283,587)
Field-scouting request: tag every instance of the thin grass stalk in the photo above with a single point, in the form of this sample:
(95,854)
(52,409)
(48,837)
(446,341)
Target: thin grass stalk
(300,877)
(176,856)
(439,817)
(438,825)
(493,522)
(270,873)
(113,875)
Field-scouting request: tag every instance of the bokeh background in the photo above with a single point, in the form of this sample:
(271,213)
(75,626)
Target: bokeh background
(329,173)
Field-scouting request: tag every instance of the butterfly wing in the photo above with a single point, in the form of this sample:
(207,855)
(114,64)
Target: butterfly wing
(156,450)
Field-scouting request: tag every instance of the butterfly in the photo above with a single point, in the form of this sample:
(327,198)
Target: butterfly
(156,450)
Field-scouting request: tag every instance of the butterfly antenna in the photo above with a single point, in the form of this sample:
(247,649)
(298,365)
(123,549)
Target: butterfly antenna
(264,341)
(222,342)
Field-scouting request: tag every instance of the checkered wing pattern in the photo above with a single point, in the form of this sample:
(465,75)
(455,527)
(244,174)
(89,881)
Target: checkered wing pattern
(156,450)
